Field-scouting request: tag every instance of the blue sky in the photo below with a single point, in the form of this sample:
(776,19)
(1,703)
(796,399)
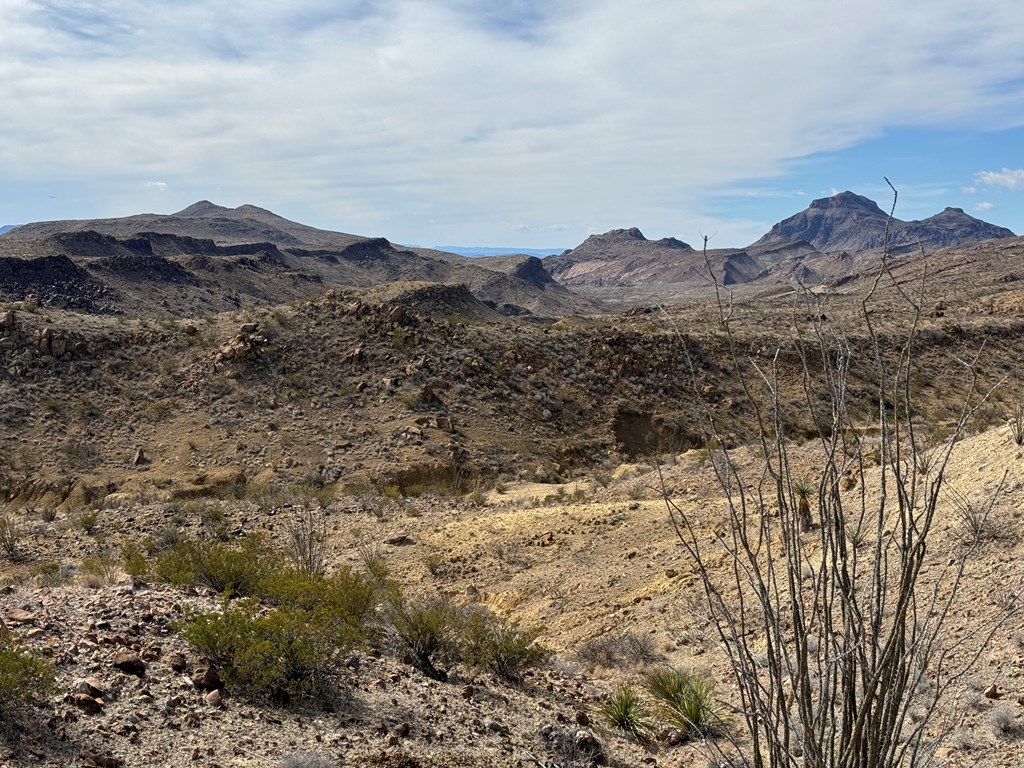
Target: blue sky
(519,123)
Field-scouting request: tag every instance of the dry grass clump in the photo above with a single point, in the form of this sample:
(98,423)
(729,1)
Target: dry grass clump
(613,651)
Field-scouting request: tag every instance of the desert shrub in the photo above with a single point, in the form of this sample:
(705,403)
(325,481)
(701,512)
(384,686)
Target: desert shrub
(87,520)
(213,521)
(24,676)
(372,556)
(684,700)
(133,560)
(496,643)
(624,649)
(1017,421)
(624,709)
(232,570)
(1003,720)
(52,574)
(428,631)
(285,656)
(977,521)
(344,600)
(307,542)
(803,490)
(99,569)
(10,535)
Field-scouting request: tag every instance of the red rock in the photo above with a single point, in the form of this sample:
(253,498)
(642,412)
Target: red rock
(17,616)
(205,678)
(130,663)
(87,703)
(91,686)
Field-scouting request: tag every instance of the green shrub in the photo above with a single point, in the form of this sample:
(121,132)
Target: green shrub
(88,519)
(624,709)
(496,643)
(133,560)
(24,676)
(237,571)
(684,700)
(344,600)
(51,574)
(429,631)
(286,656)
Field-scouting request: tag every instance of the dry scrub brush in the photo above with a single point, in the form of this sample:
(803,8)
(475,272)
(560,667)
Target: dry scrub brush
(833,644)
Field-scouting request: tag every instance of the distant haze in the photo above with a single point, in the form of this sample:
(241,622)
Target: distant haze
(7,228)
(487,250)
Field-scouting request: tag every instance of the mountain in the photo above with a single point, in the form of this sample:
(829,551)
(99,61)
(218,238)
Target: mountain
(624,256)
(7,228)
(208,258)
(835,239)
(245,224)
(850,222)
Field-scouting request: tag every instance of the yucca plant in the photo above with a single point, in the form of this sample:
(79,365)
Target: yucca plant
(624,709)
(803,490)
(685,701)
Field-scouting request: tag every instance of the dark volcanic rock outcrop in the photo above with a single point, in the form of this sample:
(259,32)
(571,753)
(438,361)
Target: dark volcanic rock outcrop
(56,280)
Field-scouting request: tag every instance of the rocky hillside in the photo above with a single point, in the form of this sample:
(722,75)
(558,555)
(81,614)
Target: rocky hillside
(849,222)
(207,258)
(488,463)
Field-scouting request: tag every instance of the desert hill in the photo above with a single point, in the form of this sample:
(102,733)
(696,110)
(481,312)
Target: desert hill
(207,258)
(491,463)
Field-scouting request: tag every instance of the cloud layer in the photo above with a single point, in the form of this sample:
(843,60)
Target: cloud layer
(459,121)
(1008,178)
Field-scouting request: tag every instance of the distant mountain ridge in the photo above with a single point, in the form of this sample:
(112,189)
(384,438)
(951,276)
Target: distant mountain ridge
(7,228)
(208,258)
(490,250)
(850,222)
(833,239)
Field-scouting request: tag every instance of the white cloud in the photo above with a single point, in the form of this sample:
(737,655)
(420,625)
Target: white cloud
(985,206)
(969,190)
(159,186)
(1008,178)
(439,122)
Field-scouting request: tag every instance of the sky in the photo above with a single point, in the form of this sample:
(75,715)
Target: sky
(529,123)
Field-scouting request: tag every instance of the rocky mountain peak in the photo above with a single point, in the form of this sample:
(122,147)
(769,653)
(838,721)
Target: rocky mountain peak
(202,208)
(846,201)
(851,222)
(621,235)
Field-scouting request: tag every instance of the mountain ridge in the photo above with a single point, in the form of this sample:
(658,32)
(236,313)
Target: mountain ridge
(851,222)
(208,258)
(832,239)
